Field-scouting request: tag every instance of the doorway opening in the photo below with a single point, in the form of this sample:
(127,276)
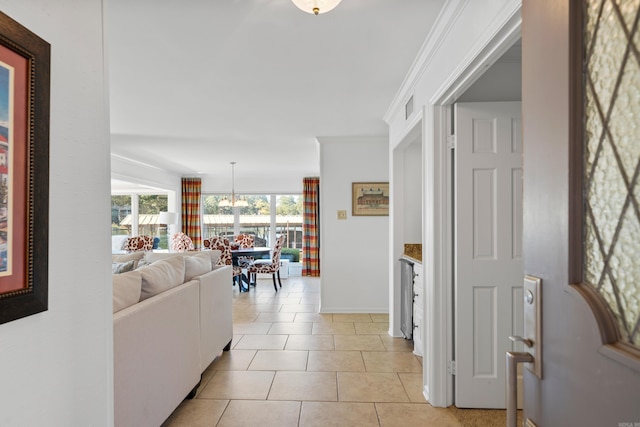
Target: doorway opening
(495,75)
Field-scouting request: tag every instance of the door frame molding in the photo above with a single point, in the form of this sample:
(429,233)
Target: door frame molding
(439,280)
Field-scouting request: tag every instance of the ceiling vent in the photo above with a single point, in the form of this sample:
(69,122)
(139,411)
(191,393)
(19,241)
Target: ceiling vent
(408,108)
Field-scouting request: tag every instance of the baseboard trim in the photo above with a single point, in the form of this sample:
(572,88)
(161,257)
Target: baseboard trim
(359,310)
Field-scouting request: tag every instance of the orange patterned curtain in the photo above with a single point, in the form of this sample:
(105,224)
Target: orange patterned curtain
(191,189)
(311,227)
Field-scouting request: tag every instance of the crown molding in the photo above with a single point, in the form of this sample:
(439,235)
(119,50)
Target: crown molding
(488,48)
(351,139)
(445,21)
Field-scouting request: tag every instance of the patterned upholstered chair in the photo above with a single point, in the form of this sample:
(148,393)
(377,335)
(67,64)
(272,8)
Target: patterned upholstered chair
(224,246)
(180,242)
(138,243)
(265,266)
(244,241)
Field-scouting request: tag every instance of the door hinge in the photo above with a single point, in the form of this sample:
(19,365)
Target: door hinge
(451,367)
(451,142)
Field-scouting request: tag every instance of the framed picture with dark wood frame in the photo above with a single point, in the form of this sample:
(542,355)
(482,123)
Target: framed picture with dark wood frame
(370,199)
(24,171)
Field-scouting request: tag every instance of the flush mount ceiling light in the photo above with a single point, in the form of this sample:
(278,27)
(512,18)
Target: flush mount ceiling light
(316,6)
(240,201)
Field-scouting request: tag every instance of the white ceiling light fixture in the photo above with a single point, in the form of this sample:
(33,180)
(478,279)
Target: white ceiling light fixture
(239,202)
(316,6)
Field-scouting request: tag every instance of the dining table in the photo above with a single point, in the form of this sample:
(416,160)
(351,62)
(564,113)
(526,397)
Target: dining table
(255,252)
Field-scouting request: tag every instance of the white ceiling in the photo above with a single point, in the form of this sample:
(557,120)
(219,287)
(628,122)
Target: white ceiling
(195,84)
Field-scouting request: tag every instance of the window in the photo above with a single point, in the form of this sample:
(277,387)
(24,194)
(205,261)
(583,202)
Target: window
(266,217)
(138,214)
(289,219)
(120,208)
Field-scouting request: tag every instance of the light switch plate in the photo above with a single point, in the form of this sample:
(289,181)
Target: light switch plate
(342,214)
(532,322)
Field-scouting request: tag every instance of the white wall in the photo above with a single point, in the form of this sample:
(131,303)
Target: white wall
(353,252)
(56,366)
(501,82)
(413,193)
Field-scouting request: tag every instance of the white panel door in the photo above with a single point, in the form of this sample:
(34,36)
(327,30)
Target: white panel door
(488,245)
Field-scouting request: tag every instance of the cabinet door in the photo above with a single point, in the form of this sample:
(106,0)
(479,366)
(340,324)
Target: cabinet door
(418,287)
(417,331)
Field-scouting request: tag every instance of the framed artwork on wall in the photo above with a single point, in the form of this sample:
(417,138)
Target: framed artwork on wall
(24,171)
(370,199)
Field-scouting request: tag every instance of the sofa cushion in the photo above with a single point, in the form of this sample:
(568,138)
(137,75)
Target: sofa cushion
(151,257)
(135,256)
(126,289)
(123,267)
(214,255)
(161,276)
(196,265)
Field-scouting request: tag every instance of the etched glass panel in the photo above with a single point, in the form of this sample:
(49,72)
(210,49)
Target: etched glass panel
(612,159)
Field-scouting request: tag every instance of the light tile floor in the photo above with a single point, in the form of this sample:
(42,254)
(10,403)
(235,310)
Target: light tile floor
(292,366)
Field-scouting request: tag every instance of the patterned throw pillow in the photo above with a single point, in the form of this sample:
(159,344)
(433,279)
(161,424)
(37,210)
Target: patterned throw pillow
(180,242)
(139,243)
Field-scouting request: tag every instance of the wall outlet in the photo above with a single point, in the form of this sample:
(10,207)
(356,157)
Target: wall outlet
(342,214)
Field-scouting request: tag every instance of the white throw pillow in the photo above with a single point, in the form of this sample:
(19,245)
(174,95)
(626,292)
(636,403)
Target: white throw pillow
(214,255)
(126,289)
(136,256)
(196,265)
(161,276)
(151,257)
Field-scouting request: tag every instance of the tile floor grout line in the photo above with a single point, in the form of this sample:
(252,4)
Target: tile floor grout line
(223,411)
(254,313)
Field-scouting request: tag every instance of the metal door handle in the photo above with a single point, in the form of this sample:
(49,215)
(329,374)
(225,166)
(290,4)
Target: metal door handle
(525,341)
(513,358)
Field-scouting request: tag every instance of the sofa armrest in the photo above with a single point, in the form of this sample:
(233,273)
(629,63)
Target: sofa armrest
(216,316)
(156,355)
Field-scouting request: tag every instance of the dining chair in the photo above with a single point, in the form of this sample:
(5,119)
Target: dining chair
(245,241)
(224,246)
(268,266)
(138,243)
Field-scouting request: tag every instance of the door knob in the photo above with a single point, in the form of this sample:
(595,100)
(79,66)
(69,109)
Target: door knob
(525,341)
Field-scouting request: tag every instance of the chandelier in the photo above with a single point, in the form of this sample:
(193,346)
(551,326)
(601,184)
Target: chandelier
(316,6)
(239,202)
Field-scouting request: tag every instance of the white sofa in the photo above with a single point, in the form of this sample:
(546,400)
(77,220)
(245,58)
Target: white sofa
(164,342)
